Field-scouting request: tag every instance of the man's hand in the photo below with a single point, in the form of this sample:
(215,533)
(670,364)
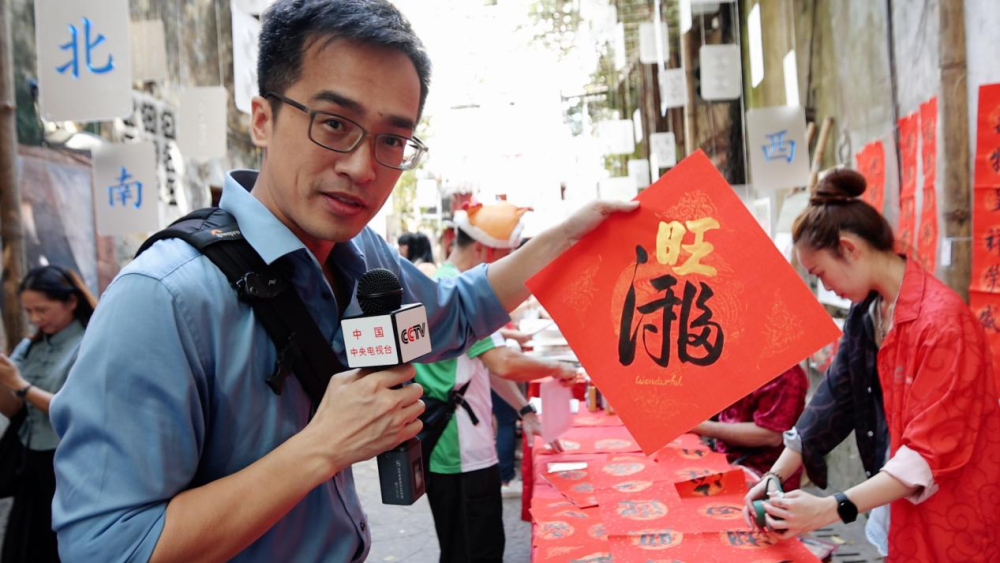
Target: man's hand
(361,415)
(588,217)
(568,375)
(531,425)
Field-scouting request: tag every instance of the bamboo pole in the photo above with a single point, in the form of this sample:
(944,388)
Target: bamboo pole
(10,193)
(690,125)
(954,116)
(817,163)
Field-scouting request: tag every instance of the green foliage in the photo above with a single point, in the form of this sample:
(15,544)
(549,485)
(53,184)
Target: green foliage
(555,23)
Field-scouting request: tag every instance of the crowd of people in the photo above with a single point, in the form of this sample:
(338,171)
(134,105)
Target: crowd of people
(174,447)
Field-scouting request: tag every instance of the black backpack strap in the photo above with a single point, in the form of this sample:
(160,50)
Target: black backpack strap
(458,399)
(302,348)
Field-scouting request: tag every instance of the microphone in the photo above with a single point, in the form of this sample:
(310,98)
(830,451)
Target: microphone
(389,334)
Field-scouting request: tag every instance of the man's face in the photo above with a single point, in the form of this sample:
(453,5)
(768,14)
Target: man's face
(322,195)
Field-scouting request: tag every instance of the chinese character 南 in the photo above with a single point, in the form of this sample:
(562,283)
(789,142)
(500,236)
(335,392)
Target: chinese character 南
(779,148)
(123,190)
(73,45)
(693,334)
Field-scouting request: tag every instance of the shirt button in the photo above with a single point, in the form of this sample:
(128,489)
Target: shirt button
(868,473)
(869,389)
(870,433)
(363,525)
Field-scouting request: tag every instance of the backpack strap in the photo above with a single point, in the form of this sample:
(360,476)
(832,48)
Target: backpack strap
(302,348)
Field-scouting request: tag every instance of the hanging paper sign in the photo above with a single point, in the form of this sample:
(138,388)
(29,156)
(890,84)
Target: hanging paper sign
(779,157)
(663,148)
(617,136)
(683,307)
(246,36)
(871,164)
(84,63)
(684,11)
(638,170)
(621,56)
(909,139)
(721,72)
(149,50)
(125,189)
(202,127)
(649,53)
(637,125)
(927,234)
(253,7)
(673,89)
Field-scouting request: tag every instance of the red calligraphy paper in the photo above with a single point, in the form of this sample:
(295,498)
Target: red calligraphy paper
(629,473)
(594,440)
(575,484)
(871,164)
(927,235)
(593,552)
(683,307)
(732,546)
(985,273)
(627,511)
(909,142)
(681,459)
(988,136)
(567,527)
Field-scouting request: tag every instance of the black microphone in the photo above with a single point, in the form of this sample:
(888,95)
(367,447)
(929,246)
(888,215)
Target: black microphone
(389,334)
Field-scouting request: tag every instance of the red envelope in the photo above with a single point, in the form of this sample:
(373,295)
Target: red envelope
(683,307)
(576,485)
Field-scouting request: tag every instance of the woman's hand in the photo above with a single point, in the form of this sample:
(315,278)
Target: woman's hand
(798,512)
(10,377)
(768,486)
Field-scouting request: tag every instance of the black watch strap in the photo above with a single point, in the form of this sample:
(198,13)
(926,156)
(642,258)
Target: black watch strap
(22,393)
(526,409)
(846,509)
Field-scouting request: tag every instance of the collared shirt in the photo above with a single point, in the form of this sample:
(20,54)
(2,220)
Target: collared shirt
(45,364)
(169,390)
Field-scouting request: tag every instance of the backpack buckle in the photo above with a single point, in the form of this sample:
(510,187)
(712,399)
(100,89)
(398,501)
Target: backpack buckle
(287,356)
(254,285)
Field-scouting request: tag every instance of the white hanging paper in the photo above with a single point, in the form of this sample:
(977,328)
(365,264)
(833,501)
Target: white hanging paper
(246,37)
(776,141)
(648,52)
(673,89)
(126,189)
(663,148)
(617,136)
(202,122)
(621,56)
(638,170)
(84,59)
(684,10)
(148,50)
(637,125)
(721,72)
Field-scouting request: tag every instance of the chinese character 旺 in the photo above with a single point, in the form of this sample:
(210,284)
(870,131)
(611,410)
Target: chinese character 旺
(73,45)
(669,237)
(122,191)
(992,276)
(778,147)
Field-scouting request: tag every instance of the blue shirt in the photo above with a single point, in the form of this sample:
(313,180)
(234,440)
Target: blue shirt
(45,364)
(169,390)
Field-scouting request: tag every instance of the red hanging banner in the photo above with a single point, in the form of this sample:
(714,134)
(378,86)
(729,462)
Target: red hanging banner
(909,138)
(871,164)
(984,278)
(927,235)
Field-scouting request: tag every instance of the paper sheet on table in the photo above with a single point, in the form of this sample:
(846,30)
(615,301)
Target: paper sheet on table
(557,418)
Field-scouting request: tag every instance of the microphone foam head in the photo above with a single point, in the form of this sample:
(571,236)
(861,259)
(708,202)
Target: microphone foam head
(379,292)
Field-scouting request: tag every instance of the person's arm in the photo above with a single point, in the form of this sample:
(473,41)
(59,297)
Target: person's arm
(9,403)
(360,417)
(746,434)
(800,512)
(10,377)
(517,335)
(508,364)
(507,275)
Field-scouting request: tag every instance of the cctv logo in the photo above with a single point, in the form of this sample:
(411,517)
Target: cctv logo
(413,333)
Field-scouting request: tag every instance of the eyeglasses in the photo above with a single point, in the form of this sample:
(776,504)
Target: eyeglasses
(339,134)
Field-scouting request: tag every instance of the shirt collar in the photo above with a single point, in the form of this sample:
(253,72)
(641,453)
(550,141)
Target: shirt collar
(73,330)
(265,233)
(911,292)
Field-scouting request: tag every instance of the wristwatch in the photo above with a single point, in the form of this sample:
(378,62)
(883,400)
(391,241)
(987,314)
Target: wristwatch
(845,508)
(22,393)
(526,409)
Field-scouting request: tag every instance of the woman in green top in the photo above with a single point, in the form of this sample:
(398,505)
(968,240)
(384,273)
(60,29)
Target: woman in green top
(59,305)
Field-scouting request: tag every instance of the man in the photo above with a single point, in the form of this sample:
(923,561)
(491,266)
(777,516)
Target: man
(173,446)
(463,483)
(750,431)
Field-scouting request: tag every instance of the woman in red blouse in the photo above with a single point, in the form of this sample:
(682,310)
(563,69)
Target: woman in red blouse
(939,394)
